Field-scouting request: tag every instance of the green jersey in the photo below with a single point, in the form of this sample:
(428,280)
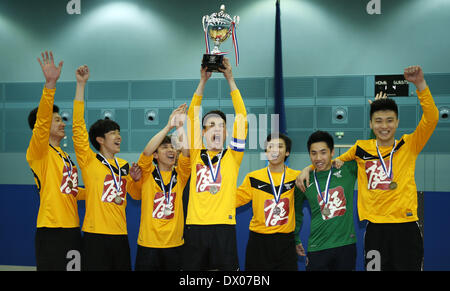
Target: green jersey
(332,222)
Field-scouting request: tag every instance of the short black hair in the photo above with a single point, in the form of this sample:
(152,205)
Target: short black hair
(321,136)
(382,105)
(33,113)
(214,112)
(99,128)
(285,138)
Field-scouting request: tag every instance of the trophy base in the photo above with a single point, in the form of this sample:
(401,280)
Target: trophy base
(213,62)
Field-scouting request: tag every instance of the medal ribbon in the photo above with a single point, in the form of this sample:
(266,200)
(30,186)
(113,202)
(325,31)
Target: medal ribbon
(214,173)
(235,43)
(112,172)
(274,191)
(388,172)
(166,194)
(66,157)
(327,187)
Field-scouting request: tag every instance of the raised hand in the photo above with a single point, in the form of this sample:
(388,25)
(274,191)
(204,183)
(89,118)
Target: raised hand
(51,72)
(178,116)
(379,96)
(82,74)
(204,75)
(227,71)
(414,74)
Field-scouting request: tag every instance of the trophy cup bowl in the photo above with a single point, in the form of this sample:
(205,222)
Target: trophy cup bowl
(218,28)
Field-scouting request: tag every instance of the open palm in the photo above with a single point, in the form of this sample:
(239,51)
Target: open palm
(49,69)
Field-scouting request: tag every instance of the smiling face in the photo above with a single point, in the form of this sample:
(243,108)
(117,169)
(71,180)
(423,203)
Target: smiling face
(384,124)
(321,155)
(57,129)
(276,151)
(166,155)
(111,142)
(215,132)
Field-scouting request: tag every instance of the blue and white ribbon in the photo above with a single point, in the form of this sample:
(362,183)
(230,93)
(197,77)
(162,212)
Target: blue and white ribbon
(116,183)
(274,191)
(327,187)
(388,172)
(211,169)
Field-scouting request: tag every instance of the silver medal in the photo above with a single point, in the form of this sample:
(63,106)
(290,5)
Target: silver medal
(277,210)
(213,189)
(167,211)
(326,211)
(118,199)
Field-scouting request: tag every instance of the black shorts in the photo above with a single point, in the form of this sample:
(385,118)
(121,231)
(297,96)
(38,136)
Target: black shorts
(105,252)
(158,259)
(271,252)
(210,247)
(341,258)
(53,246)
(393,247)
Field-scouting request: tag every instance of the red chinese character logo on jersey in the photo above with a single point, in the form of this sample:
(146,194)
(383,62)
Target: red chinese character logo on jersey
(162,210)
(337,204)
(376,176)
(276,214)
(205,180)
(110,193)
(69,185)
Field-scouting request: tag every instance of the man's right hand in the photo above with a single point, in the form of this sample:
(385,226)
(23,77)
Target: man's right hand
(51,72)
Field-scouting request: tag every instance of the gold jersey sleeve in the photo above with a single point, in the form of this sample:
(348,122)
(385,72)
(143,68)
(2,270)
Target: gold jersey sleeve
(52,169)
(376,201)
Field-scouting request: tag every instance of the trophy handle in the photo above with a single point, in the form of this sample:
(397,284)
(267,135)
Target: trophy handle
(205,20)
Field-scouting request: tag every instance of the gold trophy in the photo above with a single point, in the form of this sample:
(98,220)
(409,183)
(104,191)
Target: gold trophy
(218,27)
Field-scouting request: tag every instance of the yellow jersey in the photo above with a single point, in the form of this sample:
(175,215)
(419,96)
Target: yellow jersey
(269,216)
(162,217)
(55,174)
(214,201)
(376,201)
(105,192)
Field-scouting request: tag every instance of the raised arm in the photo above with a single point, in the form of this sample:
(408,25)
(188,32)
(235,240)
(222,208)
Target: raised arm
(156,140)
(80,134)
(430,116)
(41,131)
(240,122)
(194,124)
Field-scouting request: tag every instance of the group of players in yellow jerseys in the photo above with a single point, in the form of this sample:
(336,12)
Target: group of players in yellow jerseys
(206,239)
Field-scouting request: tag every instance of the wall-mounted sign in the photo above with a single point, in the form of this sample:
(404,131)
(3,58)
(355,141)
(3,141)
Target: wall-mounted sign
(392,85)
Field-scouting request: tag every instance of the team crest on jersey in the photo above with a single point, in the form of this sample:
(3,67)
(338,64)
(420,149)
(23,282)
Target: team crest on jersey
(376,177)
(162,210)
(110,193)
(276,213)
(205,180)
(337,204)
(69,185)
